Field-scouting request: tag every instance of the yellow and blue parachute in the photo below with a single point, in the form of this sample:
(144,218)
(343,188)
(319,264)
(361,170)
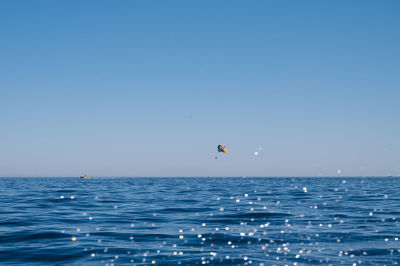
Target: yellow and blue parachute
(221,148)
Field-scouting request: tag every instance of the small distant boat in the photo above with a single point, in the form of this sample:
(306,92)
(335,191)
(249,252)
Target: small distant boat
(390,173)
(85,176)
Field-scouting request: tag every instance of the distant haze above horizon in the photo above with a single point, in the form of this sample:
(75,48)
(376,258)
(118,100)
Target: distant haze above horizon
(138,88)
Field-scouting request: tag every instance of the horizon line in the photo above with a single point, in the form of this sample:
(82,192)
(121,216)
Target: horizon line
(350,176)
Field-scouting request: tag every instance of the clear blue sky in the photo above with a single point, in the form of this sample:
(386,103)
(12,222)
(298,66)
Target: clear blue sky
(149,88)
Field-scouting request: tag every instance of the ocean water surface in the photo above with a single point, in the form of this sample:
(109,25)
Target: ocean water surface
(196,221)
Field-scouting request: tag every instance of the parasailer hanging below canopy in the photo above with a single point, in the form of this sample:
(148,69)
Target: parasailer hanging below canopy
(221,148)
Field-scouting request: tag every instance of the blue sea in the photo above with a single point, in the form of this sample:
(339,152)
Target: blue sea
(196,221)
